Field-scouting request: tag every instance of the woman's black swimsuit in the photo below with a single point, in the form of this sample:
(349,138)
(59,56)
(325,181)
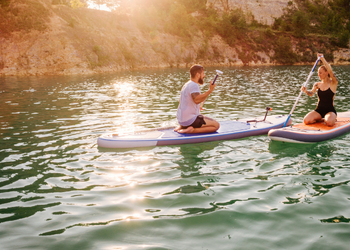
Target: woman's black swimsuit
(325,102)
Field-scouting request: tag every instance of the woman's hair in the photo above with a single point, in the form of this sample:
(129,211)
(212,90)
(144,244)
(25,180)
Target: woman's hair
(325,69)
(196,69)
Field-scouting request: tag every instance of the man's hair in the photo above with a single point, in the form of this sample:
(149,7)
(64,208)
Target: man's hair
(196,69)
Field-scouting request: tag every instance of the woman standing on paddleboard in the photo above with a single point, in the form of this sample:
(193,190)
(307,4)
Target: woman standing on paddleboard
(326,92)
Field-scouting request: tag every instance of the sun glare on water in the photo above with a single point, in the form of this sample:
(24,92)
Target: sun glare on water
(124,92)
(123,89)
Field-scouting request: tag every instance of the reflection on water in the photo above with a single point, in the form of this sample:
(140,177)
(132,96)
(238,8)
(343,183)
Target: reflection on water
(59,191)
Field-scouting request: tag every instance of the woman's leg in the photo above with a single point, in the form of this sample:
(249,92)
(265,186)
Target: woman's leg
(312,117)
(330,119)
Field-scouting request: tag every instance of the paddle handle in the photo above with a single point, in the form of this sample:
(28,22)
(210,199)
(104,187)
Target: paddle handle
(216,77)
(304,85)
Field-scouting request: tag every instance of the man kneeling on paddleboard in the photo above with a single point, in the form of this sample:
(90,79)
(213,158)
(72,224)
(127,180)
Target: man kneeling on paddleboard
(188,112)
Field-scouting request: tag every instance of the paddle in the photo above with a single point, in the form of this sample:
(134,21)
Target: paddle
(304,85)
(218,72)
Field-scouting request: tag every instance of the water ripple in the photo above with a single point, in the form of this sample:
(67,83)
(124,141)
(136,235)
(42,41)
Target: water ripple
(59,191)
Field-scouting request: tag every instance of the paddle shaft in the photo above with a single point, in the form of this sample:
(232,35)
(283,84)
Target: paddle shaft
(304,85)
(215,79)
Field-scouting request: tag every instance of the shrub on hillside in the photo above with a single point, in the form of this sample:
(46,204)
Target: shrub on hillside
(4,3)
(343,39)
(178,21)
(283,51)
(319,17)
(23,15)
(300,23)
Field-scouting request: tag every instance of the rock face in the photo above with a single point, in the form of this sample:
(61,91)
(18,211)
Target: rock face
(264,11)
(342,56)
(75,44)
(40,53)
(89,47)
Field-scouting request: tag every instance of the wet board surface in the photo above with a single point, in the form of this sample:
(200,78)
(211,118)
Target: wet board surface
(160,137)
(317,132)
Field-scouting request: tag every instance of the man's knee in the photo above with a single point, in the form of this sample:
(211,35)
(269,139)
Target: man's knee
(217,125)
(211,122)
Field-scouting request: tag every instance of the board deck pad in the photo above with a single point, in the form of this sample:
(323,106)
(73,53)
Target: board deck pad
(317,132)
(225,127)
(145,135)
(322,126)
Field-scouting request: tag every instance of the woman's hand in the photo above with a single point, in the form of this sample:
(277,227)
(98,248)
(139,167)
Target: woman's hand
(320,55)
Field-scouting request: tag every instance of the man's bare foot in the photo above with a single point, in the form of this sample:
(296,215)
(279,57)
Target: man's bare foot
(177,128)
(186,130)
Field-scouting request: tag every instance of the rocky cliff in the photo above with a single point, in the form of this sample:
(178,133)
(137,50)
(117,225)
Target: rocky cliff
(74,44)
(264,11)
(87,41)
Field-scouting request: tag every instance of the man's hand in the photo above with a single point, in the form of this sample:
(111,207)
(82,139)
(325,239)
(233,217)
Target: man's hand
(211,86)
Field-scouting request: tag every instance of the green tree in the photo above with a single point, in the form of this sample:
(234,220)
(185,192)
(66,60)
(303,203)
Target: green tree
(76,4)
(238,19)
(179,21)
(343,39)
(284,52)
(300,23)
(63,2)
(4,3)
(321,17)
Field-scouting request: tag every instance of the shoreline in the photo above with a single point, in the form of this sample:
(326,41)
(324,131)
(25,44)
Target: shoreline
(111,70)
(89,42)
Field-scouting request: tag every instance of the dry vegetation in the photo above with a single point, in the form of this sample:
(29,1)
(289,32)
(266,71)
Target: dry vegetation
(173,33)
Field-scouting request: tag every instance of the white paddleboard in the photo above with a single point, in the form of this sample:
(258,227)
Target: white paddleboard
(159,137)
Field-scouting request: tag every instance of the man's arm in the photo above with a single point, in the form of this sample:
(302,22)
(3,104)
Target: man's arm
(198,98)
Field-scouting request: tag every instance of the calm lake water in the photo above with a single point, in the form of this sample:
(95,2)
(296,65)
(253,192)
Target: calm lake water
(58,190)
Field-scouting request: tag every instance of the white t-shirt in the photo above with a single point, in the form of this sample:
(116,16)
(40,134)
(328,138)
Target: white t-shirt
(188,110)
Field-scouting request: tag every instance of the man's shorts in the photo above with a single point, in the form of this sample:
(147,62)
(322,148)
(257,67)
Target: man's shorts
(199,122)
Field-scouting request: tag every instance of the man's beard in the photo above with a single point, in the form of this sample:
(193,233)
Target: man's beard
(200,81)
